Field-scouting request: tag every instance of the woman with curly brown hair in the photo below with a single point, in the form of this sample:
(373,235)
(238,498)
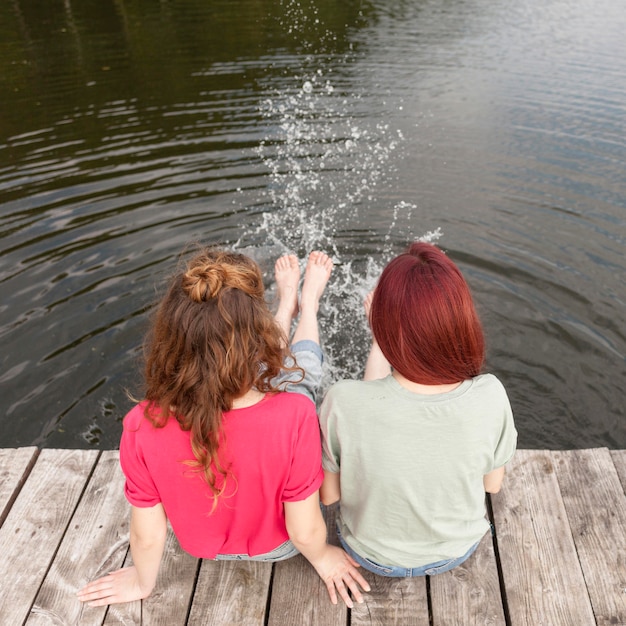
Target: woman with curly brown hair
(217,448)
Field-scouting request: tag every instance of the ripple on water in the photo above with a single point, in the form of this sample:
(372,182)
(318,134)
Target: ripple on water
(495,129)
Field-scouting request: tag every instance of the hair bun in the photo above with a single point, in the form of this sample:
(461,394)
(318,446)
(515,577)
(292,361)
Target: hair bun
(201,283)
(205,280)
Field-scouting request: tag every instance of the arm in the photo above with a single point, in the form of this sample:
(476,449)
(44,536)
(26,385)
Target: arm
(307,531)
(376,365)
(330,491)
(148,529)
(493,480)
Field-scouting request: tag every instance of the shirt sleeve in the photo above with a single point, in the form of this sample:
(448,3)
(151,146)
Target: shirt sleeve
(507,443)
(331,450)
(306,475)
(139,489)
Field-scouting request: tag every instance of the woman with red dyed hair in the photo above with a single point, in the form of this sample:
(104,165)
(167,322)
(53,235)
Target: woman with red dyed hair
(410,451)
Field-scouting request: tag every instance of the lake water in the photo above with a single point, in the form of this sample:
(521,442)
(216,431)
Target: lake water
(496,129)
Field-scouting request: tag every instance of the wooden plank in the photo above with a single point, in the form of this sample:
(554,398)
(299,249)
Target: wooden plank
(310,604)
(168,605)
(401,601)
(124,614)
(543,580)
(330,514)
(15,464)
(169,602)
(596,508)
(96,543)
(619,460)
(547,496)
(237,592)
(231,593)
(471,589)
(35,526)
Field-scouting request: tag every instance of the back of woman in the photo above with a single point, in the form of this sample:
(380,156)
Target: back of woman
(213,420)
(217,448)
(272,455)
(411,453)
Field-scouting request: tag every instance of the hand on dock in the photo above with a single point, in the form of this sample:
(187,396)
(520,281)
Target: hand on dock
(339,572)
(119,586)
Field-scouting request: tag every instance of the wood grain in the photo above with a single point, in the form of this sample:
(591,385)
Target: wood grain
(471,589)
(543,579)
(560,526)
(34,527)
(619,460)
(391,601)
(169,603)
(95,543)
(596,511)
(15,464)
(231,593)
(300,597)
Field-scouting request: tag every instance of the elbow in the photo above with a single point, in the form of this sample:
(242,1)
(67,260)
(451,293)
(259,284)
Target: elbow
(328,498)
(305,534)
(303,537)
(492,482)
(147,541)
(145,544)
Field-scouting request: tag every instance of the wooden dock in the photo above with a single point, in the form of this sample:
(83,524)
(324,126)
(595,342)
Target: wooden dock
(558,557)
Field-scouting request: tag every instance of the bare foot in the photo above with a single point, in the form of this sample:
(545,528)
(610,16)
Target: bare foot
(316,275)
(287,274)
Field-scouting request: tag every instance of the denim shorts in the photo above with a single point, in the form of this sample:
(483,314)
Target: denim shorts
(395,571)
(309,357)
(284,551)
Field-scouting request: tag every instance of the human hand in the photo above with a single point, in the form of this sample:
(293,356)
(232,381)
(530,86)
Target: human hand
(338,570)
(119,586)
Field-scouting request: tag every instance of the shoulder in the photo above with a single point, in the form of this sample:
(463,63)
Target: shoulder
(136,424)
(135,416)
(290,406)
(294,414)
(351,388)
(292,399)
(491,392)
(352,393)
(489,383)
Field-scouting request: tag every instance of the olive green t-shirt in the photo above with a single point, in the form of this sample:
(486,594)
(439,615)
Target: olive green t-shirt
(411,465)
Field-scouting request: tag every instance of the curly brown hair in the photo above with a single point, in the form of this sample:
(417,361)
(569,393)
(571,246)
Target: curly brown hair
(212,339)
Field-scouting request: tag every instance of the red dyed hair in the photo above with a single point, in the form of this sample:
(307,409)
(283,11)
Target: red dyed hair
(424,320)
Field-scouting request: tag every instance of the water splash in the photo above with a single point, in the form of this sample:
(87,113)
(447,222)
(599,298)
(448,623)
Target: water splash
(325,162)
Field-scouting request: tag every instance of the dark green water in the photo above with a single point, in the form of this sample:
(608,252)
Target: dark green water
(128,129)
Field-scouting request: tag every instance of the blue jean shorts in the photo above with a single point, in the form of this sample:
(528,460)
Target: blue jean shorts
(395,571)
(309,357)
(284,551)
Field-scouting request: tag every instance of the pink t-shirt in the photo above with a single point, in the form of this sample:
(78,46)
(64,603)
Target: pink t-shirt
(273,451)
